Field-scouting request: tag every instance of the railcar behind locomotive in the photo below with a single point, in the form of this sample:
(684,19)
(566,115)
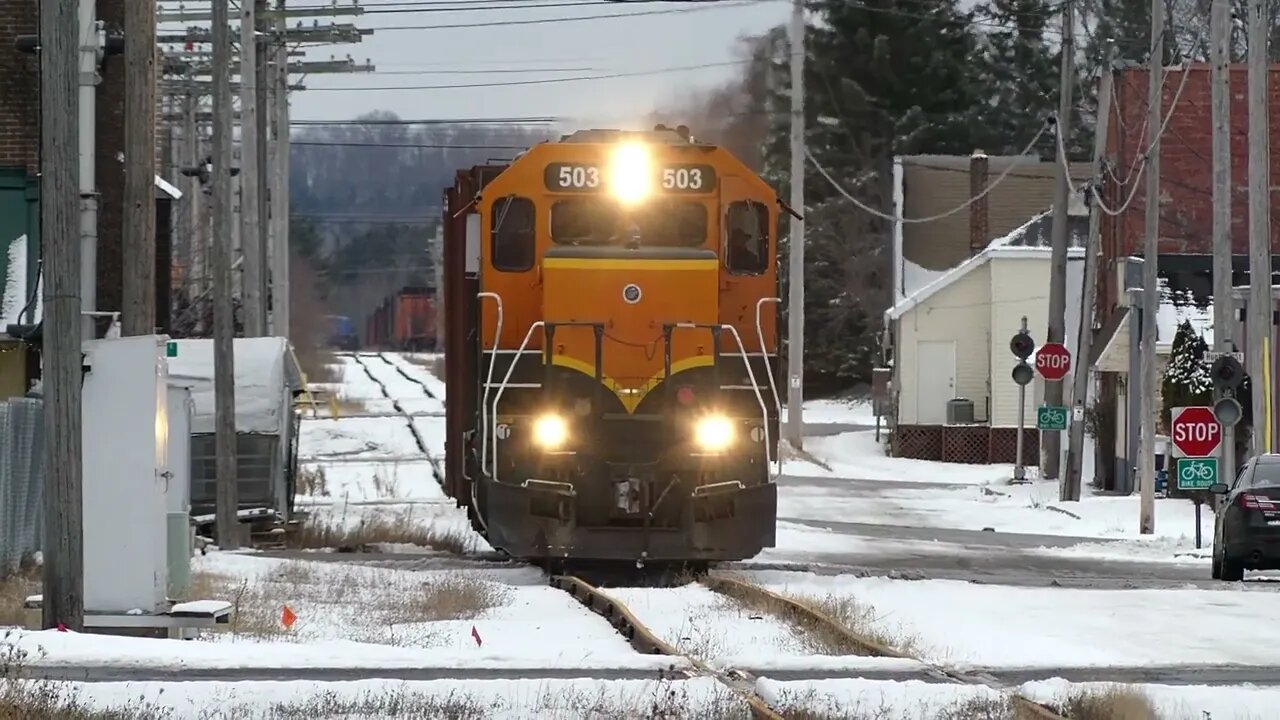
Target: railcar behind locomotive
(611,348)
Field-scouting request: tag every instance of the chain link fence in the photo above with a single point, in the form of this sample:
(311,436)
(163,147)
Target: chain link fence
(21,480)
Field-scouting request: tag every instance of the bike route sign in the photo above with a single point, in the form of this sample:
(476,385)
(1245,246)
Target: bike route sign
(1197,473)
(1051,417)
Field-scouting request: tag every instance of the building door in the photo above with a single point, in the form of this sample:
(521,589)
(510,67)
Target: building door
(935,380)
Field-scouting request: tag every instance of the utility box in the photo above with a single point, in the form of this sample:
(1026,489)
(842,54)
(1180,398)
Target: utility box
(126,439)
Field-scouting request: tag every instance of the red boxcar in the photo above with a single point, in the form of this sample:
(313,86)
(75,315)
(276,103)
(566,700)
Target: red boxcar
(415,319)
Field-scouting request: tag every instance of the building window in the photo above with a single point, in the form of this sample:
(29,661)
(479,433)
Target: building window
(747,246)
(512,220)
(657,223)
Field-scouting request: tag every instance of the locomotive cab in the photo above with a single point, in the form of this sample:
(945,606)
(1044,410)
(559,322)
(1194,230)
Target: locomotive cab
(625,402)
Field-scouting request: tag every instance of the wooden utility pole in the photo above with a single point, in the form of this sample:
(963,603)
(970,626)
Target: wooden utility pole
(195,193)
(280,189)
(1259,324)
(63,602)
(139,252)
(223,317)
(1051,442)
(795,268)
(250,233)
(1220,82)
(1150,289)
(261,87)
(1071,484)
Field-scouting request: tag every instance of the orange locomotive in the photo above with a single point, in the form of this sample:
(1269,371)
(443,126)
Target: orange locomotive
(610,347)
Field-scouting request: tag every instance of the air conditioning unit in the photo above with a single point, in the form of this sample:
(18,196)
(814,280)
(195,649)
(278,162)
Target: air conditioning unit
(960,411)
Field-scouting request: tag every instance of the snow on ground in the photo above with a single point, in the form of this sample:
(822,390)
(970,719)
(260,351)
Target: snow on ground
(438,698)
(1178,702)
(792,538)
(382,481)
(968,624)
(858,455)
(836,411)
(360,616)
(418,365)
(716,629)
(365,438)
(857,698)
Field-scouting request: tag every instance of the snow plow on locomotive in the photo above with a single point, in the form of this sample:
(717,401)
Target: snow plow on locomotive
(611,348)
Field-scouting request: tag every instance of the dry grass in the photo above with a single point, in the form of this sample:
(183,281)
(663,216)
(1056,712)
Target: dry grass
(43,700)
(320,366)
(1113,702)
(313,482)
(381,529)
(14,591)
(370,601)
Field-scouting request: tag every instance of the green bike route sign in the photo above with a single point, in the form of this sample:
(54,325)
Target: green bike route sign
(1197,473)
(1051,417)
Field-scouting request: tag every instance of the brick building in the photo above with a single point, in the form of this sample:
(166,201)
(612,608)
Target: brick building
(1186,179)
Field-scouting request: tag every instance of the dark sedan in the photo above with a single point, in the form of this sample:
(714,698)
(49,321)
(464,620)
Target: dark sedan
(1246,532)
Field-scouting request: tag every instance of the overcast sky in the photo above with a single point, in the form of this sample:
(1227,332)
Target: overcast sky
(698,35)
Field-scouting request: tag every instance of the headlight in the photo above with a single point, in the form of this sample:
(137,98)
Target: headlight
(631,173)
(550,431)
(714,433)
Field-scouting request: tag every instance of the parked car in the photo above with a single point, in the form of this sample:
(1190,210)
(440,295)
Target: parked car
(342,333)
(1246,533)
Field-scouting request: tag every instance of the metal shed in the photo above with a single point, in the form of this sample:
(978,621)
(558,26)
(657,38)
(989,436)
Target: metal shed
(267,380)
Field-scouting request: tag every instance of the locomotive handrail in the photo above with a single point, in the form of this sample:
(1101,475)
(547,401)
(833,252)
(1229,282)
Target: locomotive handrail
(746,360)
(493,358)
(493,469)
(764,355)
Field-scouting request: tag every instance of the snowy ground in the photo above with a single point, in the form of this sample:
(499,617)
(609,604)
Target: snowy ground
(370,471)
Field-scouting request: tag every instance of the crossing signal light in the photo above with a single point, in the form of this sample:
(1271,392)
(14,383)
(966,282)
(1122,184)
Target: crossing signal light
(1022,373)
(1226,373)
(1022,345)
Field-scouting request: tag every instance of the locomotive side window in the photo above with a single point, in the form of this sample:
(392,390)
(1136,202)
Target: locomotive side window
(747,235)
(512,236)
(657,223)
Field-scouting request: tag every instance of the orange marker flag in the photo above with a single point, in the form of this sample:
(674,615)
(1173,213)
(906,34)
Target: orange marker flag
(476,635)
(288,618)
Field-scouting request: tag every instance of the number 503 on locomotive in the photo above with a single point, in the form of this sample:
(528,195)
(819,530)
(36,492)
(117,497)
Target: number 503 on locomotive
(611,341)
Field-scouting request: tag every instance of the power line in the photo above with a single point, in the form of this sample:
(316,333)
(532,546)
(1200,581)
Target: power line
(576,18)
(537,120)
(1025,154)
(423,146)
(540,81)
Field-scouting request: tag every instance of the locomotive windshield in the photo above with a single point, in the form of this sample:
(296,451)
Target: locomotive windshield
(602,221)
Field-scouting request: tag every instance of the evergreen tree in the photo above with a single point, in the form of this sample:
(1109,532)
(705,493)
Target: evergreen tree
(1019,77)
(1186,378)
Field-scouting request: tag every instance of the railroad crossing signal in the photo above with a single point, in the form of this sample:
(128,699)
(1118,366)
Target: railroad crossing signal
(1053,361)
(1022,345)
(1051,417)
(1197,473)
(1227,372)
(1196,432)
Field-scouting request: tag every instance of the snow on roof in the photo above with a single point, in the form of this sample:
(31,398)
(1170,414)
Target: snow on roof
(1005,247)
(264,382)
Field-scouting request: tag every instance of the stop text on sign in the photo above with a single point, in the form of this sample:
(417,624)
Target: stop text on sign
(1053,360)
(1196,432)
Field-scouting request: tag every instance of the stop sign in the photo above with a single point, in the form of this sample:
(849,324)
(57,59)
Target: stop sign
(1053,360)
(1196,432)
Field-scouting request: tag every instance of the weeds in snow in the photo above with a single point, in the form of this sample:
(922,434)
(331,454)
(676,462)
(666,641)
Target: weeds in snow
(382,529)
(312,482)
(14,591)
(433,363)
(22,699)
(1112,702)
(357,603)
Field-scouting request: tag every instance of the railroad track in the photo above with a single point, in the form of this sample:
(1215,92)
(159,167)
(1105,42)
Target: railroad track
(795,611)
(395,402)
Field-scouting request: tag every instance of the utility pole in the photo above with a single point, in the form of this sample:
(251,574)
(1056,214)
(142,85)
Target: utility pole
(1051,442)
(280,189)
(1260,303)
(63,602)
(194,191)
(139,252)
(262,85)
(1070,489)
(1150,290)
(223,318)
(1220,80)
(795,269)
(250,172)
